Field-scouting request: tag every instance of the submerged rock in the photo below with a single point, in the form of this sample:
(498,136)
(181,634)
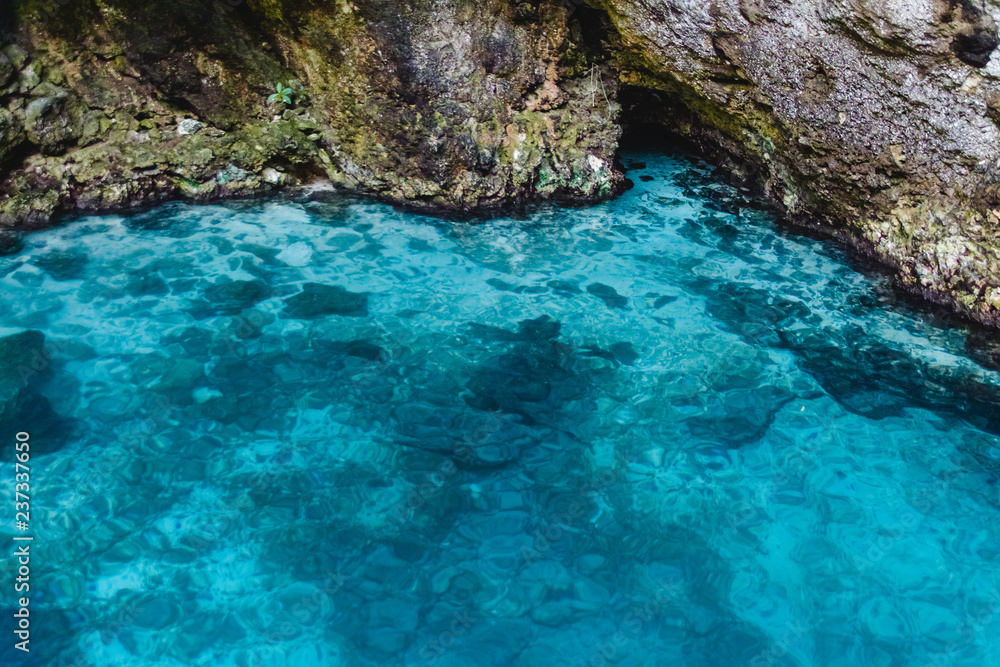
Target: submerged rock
(146,283)
(361,349)
(539,329)
(316,299)
(622,353)
(564,288)
(25,362)
(10,242)
(984,347)
(63,264)
(234,296)
(22,357)
(608,294)
(181,374)
(858,369)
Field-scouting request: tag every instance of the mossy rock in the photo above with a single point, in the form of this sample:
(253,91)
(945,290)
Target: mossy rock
(6,69)
(11,135)
(56,121)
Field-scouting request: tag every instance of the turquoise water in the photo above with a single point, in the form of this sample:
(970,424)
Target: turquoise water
(658,431)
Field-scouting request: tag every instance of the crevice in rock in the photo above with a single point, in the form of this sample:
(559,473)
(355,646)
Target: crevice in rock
(977,32)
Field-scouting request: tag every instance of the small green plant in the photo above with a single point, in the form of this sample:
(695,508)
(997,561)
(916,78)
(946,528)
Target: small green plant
(291,93)
(283,94)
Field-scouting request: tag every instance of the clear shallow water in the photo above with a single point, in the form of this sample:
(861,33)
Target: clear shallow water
(651,432)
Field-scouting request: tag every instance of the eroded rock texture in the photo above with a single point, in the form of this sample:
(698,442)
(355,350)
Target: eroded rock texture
(446,103)
(874,117)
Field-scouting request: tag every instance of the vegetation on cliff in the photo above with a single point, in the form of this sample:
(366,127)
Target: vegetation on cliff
(448,104)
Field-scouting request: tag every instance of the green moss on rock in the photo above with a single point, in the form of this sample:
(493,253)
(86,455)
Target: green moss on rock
(426,106)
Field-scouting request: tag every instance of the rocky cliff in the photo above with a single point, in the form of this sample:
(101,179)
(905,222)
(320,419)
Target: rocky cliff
(875,120)
(445,103)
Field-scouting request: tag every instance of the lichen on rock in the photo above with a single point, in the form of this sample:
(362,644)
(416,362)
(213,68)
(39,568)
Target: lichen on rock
(450,104)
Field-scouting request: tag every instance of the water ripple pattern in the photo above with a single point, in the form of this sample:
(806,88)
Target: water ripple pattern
(657,431)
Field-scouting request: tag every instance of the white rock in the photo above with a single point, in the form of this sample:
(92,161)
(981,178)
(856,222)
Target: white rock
(203,394)
(188,126)
(596,163)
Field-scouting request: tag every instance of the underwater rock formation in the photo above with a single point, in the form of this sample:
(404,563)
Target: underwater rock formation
(20,354)
(25,364)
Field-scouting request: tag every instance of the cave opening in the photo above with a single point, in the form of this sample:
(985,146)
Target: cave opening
(648,120)
(660,120)
(661,113)
(648,117)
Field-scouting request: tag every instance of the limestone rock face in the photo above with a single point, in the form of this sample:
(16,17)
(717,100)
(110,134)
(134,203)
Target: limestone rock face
(874,118)
(11,135)
(55,122)
(450,104)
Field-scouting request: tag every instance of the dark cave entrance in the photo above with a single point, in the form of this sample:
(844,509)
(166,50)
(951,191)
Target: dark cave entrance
(660,120)
(672,117)
(648,121)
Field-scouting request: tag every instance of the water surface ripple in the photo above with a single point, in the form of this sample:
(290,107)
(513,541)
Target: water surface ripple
(658,431)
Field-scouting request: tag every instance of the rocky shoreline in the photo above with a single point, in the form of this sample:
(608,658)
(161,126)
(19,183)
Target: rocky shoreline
(875,122)
(444,107)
